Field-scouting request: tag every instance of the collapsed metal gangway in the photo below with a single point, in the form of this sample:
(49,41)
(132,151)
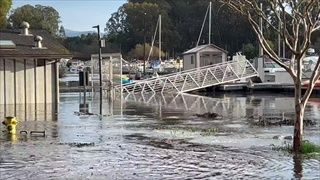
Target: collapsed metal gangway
(192,79)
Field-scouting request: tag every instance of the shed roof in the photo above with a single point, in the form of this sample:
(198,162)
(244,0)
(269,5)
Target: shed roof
(25,45)
(199,48)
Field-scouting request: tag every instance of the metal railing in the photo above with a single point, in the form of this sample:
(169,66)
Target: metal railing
(193,79)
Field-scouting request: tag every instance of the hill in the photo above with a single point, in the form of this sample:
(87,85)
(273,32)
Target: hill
(71,33)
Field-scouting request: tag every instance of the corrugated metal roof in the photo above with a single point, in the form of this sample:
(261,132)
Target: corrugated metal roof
(25,44)
(199,48)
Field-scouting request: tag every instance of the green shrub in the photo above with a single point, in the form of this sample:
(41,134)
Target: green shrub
(308,147)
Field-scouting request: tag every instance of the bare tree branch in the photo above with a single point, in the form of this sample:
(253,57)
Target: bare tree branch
(314,77)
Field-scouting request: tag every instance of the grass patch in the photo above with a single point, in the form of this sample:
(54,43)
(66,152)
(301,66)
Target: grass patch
(201,131)
(209,132)
(308,148)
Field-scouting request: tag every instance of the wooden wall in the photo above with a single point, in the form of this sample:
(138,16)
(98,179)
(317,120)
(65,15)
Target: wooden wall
(27,86)
(1,89)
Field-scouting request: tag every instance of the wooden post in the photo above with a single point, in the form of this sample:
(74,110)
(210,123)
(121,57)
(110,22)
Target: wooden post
(4,89)
(45,86)
(35,86)
(85,91)
(2,85)
(56,80)
(25,88)
(15,86)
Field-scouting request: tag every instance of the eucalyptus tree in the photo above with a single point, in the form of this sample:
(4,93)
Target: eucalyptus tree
(5,6)
(38,16)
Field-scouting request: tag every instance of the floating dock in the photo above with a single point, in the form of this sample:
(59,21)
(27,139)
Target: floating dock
(261,87)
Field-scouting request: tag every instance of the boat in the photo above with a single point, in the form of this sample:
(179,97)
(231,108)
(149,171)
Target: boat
(309,62)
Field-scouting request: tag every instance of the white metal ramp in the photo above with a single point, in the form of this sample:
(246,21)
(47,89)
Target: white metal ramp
(193,79)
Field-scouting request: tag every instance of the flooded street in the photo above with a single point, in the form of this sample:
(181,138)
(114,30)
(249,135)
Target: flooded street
(161,138)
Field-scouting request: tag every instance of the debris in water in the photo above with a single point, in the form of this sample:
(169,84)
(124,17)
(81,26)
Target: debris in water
(78,144)
(38,133)
(288,138)
(208,115)
(84,114)
(278,121)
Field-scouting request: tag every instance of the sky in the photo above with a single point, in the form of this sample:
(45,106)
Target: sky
(79,15)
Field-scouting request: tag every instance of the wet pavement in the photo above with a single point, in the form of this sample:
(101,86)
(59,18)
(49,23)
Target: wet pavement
(160,138)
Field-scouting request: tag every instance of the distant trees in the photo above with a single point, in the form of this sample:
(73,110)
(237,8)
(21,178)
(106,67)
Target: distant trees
(137,52)
(38,16)
(83,43)
(133,21)
(181,24)
(250,51)
(62,32)
(315,39)
(5,6)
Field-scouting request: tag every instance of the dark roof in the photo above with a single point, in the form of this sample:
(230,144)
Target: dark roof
(25,45)
(199,48)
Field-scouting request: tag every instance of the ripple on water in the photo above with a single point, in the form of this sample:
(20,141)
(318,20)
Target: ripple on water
(132,147)
(139,156)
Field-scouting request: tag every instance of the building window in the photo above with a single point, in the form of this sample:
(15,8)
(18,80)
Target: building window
(192,60)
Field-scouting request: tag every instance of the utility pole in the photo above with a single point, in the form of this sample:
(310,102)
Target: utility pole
(100,67)
(261,29)
(279,41)
(283,49)
(210,7)
(144,43)
(160,37)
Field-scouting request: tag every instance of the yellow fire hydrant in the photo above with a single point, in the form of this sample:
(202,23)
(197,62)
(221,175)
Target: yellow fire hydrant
(11,124)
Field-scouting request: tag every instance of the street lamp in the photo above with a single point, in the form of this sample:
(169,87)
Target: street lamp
(144,43)
(100,66)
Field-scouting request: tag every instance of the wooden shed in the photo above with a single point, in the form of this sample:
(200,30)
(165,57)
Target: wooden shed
(29,71)
(203,55)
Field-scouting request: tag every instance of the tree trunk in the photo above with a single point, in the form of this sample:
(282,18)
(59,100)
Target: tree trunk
(298,125)
(298,128)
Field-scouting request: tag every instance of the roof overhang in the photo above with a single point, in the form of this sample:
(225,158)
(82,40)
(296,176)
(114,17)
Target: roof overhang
(201,47)
(38,56)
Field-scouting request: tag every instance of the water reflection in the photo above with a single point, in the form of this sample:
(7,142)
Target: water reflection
(229,106)
(30,118)
(158,138)
(297,164)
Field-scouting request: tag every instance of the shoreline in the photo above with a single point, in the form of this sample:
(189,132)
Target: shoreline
(227,88)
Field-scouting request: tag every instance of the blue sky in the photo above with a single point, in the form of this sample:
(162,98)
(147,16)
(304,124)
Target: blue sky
(79,15)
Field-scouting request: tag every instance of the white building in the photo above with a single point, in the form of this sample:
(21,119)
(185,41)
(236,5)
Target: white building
(203,55)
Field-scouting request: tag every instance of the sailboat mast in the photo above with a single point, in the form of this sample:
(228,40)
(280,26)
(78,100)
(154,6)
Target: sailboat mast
(160,37)
(210,7)
(204,21)
(261,29)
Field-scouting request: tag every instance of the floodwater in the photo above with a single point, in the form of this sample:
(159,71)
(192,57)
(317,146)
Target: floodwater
(160,138)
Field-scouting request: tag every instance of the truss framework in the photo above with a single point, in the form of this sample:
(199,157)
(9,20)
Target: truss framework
(193,79)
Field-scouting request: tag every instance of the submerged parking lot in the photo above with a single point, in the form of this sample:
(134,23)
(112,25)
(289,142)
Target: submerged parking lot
(156,138)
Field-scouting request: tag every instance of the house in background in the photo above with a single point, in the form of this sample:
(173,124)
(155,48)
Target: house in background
(29,71)
(203,55)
